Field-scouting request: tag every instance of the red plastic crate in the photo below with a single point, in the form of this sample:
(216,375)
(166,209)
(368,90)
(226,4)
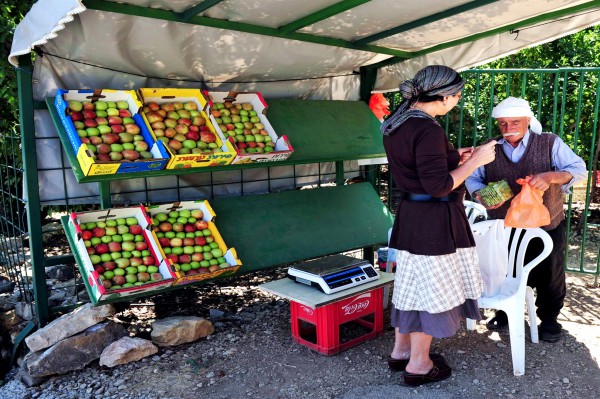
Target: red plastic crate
(322,329)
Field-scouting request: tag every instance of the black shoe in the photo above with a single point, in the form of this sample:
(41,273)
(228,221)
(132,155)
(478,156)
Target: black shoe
(498,322)
(550,331)
(400,364)
(436,374)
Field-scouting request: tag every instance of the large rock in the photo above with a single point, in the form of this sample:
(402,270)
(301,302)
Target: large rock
(178,330)
(68,325)
(75,352)
(126,350)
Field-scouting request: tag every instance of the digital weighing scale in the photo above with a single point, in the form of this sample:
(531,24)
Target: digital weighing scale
(333,273)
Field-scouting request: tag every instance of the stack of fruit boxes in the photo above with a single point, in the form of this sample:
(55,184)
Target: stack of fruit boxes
(234,129)
(200,225)
(226,153)
(119,217)
(91,166)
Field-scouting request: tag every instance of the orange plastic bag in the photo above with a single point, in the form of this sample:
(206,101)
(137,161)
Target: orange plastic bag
(527,208)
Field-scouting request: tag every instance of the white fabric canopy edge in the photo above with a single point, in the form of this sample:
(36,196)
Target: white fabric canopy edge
(469,55)
(41,25)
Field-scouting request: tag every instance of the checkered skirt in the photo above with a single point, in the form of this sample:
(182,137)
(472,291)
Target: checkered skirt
(436,284)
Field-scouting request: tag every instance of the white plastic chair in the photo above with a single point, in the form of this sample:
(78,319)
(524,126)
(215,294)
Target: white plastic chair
(514,291)
(473,210)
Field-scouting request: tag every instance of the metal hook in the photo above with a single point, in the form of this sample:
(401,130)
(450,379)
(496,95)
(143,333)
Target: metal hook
(512,31)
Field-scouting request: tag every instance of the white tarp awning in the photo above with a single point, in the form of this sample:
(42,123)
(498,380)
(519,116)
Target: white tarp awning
(282,48)
(79,37)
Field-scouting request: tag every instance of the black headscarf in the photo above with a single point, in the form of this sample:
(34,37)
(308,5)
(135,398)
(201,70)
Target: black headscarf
(433,80)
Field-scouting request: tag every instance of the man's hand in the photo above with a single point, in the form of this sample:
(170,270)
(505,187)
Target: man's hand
(465,153)
(478,198)
(541,181)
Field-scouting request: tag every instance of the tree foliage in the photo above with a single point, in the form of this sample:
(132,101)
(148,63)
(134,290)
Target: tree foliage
(11,13)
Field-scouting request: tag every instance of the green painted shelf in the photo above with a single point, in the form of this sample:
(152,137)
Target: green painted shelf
(318,130)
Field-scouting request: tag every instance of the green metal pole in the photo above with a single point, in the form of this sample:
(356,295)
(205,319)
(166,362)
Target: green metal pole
(367,82)
(104,191)
(30,177)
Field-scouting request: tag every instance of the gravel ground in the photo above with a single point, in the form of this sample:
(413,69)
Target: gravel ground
(252,355)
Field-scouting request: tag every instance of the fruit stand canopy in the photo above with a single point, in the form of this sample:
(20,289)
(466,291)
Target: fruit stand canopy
(285,48)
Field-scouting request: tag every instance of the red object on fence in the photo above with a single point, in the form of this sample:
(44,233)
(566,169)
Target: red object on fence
(322,328)
(379,105)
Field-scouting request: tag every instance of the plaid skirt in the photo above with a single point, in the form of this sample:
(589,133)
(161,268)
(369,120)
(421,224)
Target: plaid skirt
(436,284)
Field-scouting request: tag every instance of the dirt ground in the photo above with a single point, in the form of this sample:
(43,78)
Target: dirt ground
(252,355)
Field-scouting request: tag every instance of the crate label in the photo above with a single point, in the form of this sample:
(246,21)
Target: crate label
(307,310)
(359,304)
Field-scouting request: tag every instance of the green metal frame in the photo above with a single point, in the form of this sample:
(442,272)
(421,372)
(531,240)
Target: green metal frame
(34,216)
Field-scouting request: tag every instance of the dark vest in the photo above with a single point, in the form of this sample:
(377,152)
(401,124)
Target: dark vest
(536,159)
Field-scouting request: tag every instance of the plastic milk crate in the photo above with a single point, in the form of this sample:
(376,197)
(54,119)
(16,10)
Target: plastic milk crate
(332,323)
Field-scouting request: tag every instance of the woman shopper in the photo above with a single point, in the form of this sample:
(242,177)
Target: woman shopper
(437,279)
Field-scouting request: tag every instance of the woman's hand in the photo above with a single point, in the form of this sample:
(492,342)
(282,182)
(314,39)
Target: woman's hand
(484,154)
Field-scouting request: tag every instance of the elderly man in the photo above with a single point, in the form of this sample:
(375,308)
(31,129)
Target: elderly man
(553,168)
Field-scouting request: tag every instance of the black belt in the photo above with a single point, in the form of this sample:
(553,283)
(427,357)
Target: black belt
(452,197)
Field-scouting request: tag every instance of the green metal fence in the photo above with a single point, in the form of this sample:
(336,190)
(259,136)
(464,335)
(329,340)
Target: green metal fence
(566,102)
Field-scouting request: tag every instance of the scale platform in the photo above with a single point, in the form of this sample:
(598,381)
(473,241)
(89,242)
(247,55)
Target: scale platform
(333,273)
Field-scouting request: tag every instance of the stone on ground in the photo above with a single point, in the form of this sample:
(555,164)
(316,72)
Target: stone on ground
(75,352)
(126,350)
(179,330)
(68,325)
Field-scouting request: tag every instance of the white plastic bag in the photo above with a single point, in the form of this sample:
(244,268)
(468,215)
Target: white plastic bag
(492,251)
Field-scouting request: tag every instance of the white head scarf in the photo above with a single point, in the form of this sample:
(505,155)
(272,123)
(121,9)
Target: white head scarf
(516,107)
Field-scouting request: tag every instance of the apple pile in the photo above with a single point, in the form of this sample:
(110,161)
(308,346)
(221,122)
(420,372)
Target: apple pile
(242,123)
(188,242)
(108,129)
(181,127)
(119,253)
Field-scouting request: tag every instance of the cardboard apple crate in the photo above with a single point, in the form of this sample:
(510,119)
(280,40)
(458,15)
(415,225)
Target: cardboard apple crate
(91,167)
(161,96)
(96,290)
(282,150)
(229,254)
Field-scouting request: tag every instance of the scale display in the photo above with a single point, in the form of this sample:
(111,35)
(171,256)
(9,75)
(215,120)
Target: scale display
(333,273)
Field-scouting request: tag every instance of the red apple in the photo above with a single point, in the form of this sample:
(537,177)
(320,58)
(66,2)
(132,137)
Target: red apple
(135,261)
(165,226)
(86,234)
(148,260)
(114,246)
(207,136)
(185,258)
(119,280)
(164,242)
(109,265)
(200,240)
(101,249)
(188,242)
(201,224)
(141,246)
(135,229)
(98,232)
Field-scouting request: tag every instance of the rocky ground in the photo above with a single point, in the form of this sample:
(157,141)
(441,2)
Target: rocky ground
(251,354)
